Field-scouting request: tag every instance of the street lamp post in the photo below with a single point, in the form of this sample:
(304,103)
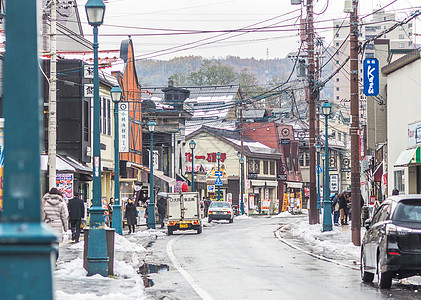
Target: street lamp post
(97,248)
(218,157)
(318,149)
(241,185)
(327,213)
(151,205)
(116,223)
(27,248)
(192,145)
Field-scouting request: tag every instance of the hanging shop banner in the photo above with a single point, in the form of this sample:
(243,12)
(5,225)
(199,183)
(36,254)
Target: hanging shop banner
(123,123)
(64,184)
(334,182)
(371,77)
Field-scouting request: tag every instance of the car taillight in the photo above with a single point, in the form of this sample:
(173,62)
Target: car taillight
(210,212)
(171,223)
(229,212)
(393,229)
(195,222)
(393,253)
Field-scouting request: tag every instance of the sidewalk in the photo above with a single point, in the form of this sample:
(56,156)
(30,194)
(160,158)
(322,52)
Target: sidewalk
(71,282)
(336,245)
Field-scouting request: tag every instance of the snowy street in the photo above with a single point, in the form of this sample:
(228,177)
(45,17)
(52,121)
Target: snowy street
(279,257)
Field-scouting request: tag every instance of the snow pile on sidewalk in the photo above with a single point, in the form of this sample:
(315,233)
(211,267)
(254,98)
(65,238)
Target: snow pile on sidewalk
(331,244)
(74,284)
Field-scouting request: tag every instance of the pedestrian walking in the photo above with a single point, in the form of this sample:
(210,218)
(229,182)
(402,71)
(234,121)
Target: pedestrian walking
(131,215)
(110,210)
(335,208)
(395,191)
(207,204)
(76,214)
(342,208)
(55,213)
(162,210)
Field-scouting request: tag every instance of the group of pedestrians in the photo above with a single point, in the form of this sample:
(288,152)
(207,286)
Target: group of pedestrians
(341,208)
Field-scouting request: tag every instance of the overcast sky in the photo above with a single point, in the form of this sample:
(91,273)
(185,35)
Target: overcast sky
(127,17)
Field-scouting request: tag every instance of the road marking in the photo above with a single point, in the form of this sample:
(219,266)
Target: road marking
(278,236)
(194,283)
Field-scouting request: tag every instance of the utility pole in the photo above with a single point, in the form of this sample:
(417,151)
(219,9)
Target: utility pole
(355,126)
(52,102)
(313,216)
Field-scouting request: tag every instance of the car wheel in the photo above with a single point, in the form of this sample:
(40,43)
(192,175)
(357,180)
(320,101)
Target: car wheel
(209,220)
(231,220)
(384,279)
(170,231)
(199,230)
(365,276)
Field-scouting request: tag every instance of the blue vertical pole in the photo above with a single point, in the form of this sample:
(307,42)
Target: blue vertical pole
(327,212)
(117,222)
(192,170)
(26,243)
(219,187)
(97,247)
(151,205)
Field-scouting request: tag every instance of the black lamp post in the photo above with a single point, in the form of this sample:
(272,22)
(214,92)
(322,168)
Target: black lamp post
(97,249)
(192,145)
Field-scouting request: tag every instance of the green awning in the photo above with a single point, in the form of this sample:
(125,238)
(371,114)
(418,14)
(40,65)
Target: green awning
(409,156)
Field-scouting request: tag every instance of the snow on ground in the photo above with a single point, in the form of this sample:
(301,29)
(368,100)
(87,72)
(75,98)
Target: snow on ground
(72,282)
(332,244)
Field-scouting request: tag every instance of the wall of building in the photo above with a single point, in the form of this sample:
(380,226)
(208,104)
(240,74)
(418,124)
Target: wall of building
(403,109)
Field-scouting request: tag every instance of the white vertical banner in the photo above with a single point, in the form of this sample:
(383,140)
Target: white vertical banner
(123,124)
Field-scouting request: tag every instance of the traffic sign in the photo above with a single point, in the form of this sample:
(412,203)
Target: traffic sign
(218,173)
(218,181)
(319,169)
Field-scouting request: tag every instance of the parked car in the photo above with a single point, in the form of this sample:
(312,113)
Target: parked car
(391,247)
(220,210)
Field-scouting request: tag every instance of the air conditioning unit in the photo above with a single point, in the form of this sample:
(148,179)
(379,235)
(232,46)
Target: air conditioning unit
(295,2)
(348,6)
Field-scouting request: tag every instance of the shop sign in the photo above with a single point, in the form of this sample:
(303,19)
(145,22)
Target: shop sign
(64,183)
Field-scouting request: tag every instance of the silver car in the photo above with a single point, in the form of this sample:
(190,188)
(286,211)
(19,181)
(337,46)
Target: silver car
(220,210)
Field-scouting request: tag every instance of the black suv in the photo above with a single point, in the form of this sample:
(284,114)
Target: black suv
(391,246)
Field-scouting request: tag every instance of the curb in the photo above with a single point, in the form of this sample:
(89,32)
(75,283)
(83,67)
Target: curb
(278,236)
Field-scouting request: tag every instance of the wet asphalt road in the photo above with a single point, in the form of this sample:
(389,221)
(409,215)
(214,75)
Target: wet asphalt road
(244,260)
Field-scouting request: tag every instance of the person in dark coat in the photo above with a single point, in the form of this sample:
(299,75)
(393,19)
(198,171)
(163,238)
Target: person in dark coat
(131,215)
(76,214)
(207,204)
(395,191)
(342,208)
(162,210)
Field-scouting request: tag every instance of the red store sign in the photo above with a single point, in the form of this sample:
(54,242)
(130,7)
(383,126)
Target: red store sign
(211,157)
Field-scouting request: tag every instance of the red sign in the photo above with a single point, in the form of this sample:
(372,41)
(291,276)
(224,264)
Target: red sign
(211,157)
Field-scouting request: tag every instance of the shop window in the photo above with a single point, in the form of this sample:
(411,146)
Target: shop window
(272,168)
(400,180)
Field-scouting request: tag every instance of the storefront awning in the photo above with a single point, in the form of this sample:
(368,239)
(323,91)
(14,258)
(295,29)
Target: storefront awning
(409,156)
(294,185)
(264,183)
(171,181)
(65,164)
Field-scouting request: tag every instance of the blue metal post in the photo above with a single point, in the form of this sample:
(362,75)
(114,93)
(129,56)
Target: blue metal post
(192,169)
(97,247)
(219,188)
(151,205)
(241,186)
(117,222)
(327,211)
(26,243)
